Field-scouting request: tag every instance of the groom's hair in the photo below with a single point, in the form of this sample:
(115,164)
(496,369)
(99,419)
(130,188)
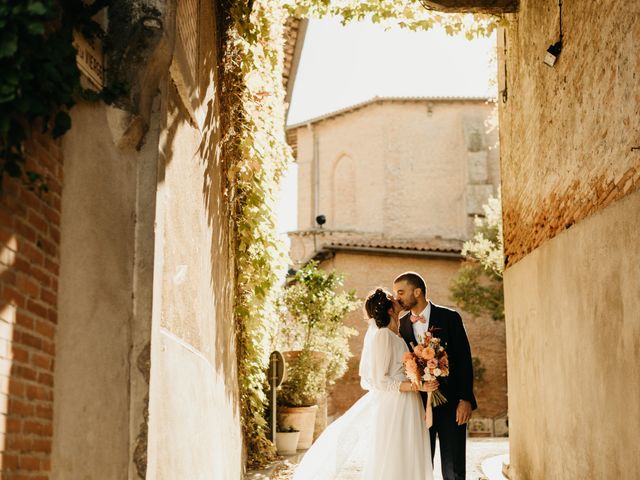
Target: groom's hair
(413,279)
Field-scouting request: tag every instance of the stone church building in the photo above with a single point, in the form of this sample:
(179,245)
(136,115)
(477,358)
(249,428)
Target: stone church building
(399,181)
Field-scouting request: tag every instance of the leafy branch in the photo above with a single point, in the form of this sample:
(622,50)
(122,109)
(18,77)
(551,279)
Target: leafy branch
(477,287)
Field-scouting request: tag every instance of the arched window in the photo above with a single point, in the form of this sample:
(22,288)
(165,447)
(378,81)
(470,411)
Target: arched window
(343,195)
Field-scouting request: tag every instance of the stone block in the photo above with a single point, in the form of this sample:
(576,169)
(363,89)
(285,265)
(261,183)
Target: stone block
(477,171)
(481,427)
(501,426)
(476,197)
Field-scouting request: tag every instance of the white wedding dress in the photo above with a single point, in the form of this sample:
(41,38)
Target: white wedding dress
(385,428)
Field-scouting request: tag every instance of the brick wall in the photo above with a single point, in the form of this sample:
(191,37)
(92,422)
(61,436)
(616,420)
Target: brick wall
(568,135)
(29,263)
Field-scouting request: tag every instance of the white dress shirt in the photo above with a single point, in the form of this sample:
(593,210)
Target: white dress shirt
(419,328)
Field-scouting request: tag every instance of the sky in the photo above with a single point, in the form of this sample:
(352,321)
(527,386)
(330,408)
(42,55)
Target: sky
(341,66)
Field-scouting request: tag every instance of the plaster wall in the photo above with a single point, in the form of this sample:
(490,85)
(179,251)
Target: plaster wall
(146,371)
(570,179)
(573,347)
(93,343)
(194,429)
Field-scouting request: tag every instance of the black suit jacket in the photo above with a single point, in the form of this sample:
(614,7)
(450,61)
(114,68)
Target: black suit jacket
(446,324)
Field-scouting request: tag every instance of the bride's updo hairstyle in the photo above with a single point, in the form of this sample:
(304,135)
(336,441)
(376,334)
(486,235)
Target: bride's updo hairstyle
(377,306)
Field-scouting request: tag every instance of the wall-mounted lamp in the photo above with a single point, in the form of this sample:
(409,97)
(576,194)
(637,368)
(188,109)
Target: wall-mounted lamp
(320,220)
(553,52)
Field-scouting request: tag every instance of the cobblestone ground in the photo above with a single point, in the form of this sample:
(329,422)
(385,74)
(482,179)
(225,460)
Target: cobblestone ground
(478,450)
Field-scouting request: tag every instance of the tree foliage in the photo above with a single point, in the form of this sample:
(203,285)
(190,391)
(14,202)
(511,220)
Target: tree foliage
(477,287)
(313,317)
(409,14)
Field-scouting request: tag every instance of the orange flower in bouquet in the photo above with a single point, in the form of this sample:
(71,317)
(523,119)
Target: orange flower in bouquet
(427,362)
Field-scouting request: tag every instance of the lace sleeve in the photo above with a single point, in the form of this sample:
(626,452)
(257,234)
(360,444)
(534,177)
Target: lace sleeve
(380,358)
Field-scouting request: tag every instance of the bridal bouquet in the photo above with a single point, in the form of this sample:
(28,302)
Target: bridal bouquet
(427,362)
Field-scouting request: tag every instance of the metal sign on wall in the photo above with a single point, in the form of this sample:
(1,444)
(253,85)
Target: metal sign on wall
(90,59)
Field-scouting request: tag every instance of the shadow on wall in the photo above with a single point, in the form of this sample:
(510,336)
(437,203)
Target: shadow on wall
(215,197)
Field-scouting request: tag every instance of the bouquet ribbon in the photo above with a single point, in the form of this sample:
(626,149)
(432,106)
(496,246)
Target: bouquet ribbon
(428,416)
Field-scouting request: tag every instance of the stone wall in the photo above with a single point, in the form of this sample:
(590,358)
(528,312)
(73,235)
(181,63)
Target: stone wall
(567,132)
(570,178)
(29,279)
(194,428)
(364,272)
(145,381)
(402,168)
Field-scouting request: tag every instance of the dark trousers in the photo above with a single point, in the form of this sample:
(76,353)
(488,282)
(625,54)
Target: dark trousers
(453,441)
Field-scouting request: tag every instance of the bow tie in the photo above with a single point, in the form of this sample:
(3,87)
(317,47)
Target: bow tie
(418,318)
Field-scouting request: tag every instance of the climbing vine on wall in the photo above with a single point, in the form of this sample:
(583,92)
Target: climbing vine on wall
(256,142)
(253,66)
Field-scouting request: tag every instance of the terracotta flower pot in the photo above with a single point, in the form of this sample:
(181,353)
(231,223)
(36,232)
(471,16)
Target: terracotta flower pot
(287,442)
(302,419)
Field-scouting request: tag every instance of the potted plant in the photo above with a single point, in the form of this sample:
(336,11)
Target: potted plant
(304,384)
(287,440)
(313,330)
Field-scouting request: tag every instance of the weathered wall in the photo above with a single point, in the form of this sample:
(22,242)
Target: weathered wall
(573,346)
(94,372)
(570,178)
(29,279)
(401,168)
(146,332)
(194,429)
(567,132)
(194,389)
(487,337)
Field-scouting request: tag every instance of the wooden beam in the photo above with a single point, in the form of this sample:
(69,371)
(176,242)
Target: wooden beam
(474,6)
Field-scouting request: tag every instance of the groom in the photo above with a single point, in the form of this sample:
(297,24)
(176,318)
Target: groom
(450,419)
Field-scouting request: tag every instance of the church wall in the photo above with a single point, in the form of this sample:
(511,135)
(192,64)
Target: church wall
(417,168)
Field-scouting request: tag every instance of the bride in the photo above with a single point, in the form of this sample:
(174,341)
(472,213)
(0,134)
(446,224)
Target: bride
(385,427)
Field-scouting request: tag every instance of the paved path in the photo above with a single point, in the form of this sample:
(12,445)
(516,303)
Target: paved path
(479,450)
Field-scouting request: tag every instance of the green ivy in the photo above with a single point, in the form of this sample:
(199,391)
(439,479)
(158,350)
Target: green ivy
(253,67)
(40,79)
